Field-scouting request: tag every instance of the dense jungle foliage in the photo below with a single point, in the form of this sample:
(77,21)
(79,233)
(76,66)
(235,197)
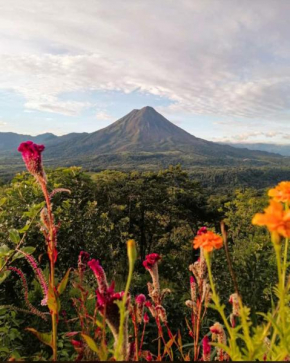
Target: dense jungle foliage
(162,211)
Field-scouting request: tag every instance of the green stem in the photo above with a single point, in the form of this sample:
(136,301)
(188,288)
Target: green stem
(51,246)
(285,260)
(234,349)
(119,351)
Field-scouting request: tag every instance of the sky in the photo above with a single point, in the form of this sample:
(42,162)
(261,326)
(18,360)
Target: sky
(218,69)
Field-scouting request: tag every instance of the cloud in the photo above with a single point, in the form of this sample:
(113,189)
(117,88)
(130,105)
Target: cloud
(3,123)
(104,116)
(230,59)
(253,135)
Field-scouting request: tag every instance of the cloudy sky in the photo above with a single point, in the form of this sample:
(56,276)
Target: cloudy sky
(218,69)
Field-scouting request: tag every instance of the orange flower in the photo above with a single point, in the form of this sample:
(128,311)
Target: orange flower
(275,218)
(208,241)
(281,193)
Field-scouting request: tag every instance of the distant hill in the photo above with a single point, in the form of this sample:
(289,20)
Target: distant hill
(143,139)
(271,148)
(9,141)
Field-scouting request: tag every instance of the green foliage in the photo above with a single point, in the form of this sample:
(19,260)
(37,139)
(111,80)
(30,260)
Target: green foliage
(251,252)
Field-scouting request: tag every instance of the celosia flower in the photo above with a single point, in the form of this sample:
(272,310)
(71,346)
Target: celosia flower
(146,318)
(25,292)
(31,154)
(208,241)
(148,356)
(39,275)
(140,299)
(151,260)
(275,219)
(206,349)
(161,313)
(201,231)
(83,260)
(99,274)
(234,300)
(219,335)
(151,265)
(192,288)
(281,193)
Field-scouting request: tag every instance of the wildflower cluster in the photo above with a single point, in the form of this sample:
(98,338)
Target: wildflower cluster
(115,312)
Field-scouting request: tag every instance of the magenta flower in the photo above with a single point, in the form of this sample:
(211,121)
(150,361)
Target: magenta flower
(140,299)
(39,275)
(99,274)
(146,318)
(201,231)
(151,260)
(31,154)
(83,260)
(206,349)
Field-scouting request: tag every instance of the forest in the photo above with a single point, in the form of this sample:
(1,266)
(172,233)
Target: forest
(78,249)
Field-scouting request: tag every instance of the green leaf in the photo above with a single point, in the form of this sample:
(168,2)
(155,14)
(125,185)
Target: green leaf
(14,236)
(4,250)
(91,343)
(25,228)
(28,250)
(3,276)
(45,338)
(62,285)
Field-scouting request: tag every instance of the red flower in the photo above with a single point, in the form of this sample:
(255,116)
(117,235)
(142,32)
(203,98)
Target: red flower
(31,154)
(146,318)
(99,274)
(140,299)
(201,231)
(206,349)
(151,260)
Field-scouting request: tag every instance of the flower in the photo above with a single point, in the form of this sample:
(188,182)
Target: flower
(146,318)
(201,231)
(83,260)
(99,274)
(206,349)
(281,193)
(275,219)
(39,275)
(151,260)
(140,299)
(208,241)
(31,154)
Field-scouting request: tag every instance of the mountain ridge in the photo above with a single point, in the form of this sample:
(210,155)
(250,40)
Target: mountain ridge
(141,138)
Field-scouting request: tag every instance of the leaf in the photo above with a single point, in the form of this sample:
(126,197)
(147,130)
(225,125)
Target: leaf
(45,338)
(4,250)
(28,250)
(169,345)
(62,285)
(53,302)
(25,228)
(91,343)
(14,236)
(3,276)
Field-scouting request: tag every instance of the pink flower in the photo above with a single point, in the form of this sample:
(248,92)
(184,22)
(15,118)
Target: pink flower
(99,274)
(206,349)
(140,299)
(77,343)
(151,260)
(31,154)
(83,260)
(39,275)
(146,318)
(201,231)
